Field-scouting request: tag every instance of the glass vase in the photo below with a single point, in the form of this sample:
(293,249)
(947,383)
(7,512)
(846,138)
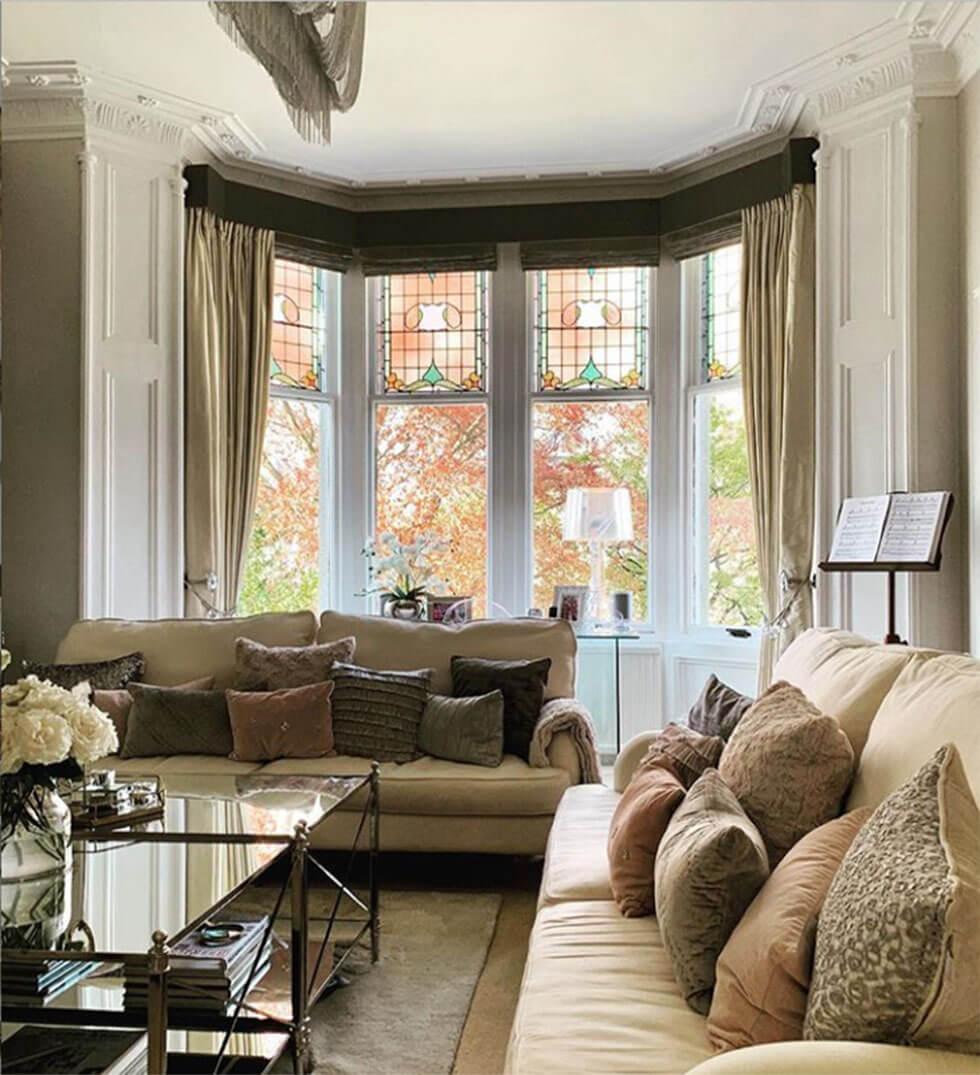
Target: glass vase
(36,842)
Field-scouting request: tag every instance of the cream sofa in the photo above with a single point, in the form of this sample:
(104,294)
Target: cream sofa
(598,995)
(427,805)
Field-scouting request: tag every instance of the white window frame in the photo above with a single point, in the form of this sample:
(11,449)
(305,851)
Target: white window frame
(692,503)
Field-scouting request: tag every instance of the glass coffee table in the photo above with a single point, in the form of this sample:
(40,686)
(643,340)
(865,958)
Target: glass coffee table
(148,909)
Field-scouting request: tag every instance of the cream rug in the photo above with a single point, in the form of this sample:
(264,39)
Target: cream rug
(404,1015)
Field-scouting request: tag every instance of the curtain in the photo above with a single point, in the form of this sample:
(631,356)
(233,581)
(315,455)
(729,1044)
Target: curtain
(778,379)
(229,276)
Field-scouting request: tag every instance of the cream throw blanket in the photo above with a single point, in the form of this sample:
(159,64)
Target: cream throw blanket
(567,715)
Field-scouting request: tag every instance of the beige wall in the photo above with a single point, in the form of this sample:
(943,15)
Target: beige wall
(969,131)
(41,208)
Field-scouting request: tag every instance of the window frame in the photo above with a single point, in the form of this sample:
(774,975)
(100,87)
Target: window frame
(694,389)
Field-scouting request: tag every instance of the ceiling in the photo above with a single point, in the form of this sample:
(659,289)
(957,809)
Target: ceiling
(476,88)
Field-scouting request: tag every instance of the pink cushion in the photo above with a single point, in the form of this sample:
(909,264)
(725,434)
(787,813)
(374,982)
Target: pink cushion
(291,723)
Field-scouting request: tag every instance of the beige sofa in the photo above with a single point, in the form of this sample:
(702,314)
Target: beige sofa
(598,995)
(427,805)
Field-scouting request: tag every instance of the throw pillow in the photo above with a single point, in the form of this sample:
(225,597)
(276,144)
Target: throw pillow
(685,751)
(464,729)
(521,683)
(789,765)
(377,714)
(710,865)
(764,970)
(117,704)
(637,827)
(274,668)
(99,675)
(898,942)
(718,709)
(171,720)
(291,723)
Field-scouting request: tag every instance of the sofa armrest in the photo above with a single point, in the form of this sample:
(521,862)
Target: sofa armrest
(629,758)
(562,754)
(838,1058)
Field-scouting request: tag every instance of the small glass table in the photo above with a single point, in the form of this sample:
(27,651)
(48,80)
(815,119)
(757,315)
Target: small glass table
(616,637)
(219,835)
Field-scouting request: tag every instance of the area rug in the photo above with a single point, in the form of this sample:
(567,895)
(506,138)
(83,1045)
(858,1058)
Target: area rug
(404,1015)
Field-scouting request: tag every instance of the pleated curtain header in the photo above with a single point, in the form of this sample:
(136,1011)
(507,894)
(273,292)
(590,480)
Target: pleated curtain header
(462,257)
(585,253)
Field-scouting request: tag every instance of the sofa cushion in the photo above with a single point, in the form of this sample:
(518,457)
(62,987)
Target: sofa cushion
(522,685)
(435,786)
(790,766)
(685,752)
(174,720)
(598,996)
(109,675)
(932,703)
(845,675)
(464,729)
(718,709)
(211,768)
(178,650)
(576,864)
(383,642)
(290,723)
(377,714)
(275,668)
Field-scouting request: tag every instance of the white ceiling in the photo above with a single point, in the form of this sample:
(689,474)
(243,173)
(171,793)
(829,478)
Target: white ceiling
(465,88)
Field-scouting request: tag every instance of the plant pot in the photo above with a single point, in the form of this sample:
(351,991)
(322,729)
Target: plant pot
(37,841)
(404,609)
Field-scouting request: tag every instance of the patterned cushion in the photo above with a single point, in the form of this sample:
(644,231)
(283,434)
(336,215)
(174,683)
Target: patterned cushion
(710,865)
(377,714)
(464,729)
(522,685)
(686,752)
(898,942)
(789,765)
(275,668)
(100,675)
(637,827)
(116,704)
(718,709)
(170,720)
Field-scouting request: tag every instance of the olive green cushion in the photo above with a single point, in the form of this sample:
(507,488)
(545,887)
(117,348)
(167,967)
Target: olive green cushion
(522,684)
(169,720)
(464,729)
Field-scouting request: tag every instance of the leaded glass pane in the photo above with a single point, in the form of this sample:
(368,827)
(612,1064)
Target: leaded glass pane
(591,328)
(298,336)
(432,332)
(721,293)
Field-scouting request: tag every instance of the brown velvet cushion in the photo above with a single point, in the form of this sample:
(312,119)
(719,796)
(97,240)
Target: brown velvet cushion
(291,723)
(108,675)
(685,751)
(117,704)
(763,972)
(789,765)
(638,824)
(718,709)
(275,668)
(710,865)
(521,683)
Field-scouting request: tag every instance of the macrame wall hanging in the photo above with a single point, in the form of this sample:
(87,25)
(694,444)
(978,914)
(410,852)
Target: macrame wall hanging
(312,51)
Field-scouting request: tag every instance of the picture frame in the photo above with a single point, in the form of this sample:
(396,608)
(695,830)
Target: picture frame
(458,608)
(572,603)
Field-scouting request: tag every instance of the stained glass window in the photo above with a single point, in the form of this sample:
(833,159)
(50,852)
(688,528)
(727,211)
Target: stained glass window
(297,325)
(432,332)
(591,328)
(721,293)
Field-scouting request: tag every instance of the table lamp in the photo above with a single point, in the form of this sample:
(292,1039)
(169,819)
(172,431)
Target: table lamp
(598,516)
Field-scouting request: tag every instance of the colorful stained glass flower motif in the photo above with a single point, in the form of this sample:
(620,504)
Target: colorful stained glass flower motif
(297,325)
(591,328)
(432,332)
(721,288)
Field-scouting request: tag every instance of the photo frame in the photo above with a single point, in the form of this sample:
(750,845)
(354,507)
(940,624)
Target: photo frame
(572,603)
(450,608)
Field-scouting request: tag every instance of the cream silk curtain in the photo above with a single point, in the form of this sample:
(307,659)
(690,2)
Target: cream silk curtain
(229,276)
(778,379)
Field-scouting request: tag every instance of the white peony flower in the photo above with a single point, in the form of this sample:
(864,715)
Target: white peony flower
(11,758)
(41,737)
(93,733)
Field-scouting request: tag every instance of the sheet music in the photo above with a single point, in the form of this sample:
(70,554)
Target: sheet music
(913,528)
(859,529)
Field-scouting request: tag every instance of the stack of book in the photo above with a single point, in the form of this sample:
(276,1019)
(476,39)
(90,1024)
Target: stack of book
(35,983)
(205,977)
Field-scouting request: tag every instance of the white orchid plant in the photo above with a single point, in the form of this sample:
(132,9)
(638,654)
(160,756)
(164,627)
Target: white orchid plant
(403,570)
(48,734)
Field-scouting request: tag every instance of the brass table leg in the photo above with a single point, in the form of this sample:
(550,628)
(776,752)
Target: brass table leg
(299,939)
(373,860)
(156,1005)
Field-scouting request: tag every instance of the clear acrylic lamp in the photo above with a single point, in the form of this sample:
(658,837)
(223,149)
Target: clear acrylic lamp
(599,516)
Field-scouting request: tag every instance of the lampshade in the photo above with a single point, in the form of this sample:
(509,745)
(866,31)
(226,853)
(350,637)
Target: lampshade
(597,515)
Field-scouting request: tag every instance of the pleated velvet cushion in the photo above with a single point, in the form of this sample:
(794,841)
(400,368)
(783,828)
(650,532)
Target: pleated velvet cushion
(464,729)
(109,675)
(170,720)
(376,714)
(522,685)
(686,752)
(898,941)
(710,865)
(764,970)
(637,827)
